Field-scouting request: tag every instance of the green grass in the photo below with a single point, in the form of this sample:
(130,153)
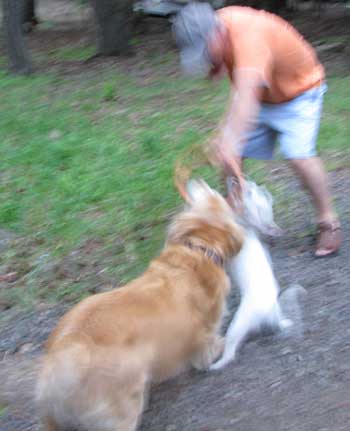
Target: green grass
(73,53)
(2,410)
(93,158)
(335,127)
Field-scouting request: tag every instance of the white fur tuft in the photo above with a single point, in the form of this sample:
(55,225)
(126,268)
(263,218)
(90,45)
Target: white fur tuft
(198,190)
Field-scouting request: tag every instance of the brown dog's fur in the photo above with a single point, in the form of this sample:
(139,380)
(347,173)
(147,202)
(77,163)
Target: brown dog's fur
(107,350)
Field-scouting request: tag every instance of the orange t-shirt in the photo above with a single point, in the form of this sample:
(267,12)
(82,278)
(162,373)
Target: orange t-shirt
(265,42)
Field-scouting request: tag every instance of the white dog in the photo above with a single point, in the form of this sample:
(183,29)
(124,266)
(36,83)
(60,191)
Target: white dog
(259,309)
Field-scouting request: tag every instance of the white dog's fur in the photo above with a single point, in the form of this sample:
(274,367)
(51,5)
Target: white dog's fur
(251,269)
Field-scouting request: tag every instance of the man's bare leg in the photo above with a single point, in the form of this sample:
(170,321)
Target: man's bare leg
(313,175)
(314,178)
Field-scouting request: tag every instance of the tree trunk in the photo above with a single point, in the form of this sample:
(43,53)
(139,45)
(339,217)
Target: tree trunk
(114,25)
(29,11)
(18,54)
(29,19)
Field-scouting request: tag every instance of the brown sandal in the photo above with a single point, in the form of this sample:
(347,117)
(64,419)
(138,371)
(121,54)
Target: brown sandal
(329,239)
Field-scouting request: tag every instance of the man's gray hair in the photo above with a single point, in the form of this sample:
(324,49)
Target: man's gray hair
(192,28)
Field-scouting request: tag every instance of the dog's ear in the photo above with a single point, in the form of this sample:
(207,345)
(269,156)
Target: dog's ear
(258,210)
(198,190)
(181,177)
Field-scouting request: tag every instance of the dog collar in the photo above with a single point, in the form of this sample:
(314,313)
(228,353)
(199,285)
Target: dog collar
(209,252)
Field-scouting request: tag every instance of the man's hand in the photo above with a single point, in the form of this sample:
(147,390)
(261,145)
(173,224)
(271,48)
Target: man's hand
(243,109)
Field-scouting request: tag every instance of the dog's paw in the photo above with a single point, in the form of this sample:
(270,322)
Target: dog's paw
(215,366)
(218,348)
(285,324)
(221,363)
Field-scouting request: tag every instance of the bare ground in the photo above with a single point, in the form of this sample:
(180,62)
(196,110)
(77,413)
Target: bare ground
(276,384)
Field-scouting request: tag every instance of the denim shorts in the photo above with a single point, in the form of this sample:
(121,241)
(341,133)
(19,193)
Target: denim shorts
(293,124)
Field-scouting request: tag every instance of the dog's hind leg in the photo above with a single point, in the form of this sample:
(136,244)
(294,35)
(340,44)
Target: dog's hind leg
(249,320)
(289,301)
(130,417)
(274,320)
(127,406)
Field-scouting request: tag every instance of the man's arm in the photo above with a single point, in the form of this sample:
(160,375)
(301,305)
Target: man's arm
(240,116)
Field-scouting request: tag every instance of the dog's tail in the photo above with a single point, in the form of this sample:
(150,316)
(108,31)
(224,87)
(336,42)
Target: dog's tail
(83,386)
(42,382)
(60,376)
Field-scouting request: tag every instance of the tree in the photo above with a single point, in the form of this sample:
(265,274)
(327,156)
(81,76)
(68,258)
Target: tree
(18,54)
(29,18)
(114,25)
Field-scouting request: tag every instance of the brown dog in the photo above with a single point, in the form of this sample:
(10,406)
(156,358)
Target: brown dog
(107,350)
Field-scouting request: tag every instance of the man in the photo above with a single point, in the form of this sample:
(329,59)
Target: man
(278,90)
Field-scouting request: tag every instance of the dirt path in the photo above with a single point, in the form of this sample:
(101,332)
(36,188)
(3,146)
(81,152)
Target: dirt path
(276,384)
